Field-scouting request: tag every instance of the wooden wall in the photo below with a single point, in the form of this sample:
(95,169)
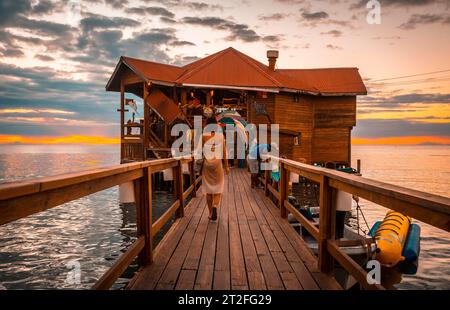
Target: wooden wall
(334,112)
(269,103)
(325,125)
(331,145)
(295,116)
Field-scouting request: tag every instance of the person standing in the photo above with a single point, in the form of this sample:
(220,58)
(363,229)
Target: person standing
(214,163)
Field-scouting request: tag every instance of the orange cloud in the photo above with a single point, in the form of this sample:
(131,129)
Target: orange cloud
(16,139)
(402,140)
(34,111)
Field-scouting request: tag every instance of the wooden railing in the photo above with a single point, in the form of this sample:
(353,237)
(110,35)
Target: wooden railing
(20,199)
(425,207)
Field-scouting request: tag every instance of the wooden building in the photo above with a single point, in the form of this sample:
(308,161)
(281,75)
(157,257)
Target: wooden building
(315,108)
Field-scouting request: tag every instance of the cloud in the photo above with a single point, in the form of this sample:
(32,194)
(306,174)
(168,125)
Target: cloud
(273,17)
(373,128)
(10,9)
(333,47)
(395,3)
(95,21)
(314,15)
(425,19)
(151,10)
(44,57)
(182,43)
(271,39)
(44,7)
(11,52)
(16,110)
(167,20)
(313,19)
(193,5)
(117,3)
(237,31)
(334,33)
(401,100)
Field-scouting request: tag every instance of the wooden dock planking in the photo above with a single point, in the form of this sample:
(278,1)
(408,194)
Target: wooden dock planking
(149,279)
(237,266)
(248,247)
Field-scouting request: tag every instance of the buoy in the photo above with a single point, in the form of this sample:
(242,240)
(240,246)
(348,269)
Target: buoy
(126,192)
(411,250)
(391,237)
(374,228)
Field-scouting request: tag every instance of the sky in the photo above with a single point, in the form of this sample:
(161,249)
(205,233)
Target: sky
(57,56)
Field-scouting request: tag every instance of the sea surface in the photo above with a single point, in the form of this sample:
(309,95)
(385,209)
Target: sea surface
(87,235)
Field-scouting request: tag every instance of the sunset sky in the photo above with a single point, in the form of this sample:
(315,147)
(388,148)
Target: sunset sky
(56,58)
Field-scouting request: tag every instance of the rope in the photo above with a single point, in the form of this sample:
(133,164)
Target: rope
(358,209)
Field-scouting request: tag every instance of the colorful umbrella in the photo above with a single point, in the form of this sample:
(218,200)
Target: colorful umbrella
(230,117)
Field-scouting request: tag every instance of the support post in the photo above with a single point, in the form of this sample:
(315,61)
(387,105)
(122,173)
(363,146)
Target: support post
(266,182)
(142,194)
(178,178)
(326,218)
(146,121)
(283,190)
(192,177)
(122,119)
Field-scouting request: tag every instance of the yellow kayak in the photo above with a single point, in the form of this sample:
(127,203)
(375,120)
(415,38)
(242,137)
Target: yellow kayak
(391,237)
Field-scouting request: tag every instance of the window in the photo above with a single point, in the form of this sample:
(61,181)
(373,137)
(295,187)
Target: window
(298,139)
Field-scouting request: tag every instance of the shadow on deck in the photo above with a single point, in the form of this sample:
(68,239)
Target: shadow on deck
(249,247)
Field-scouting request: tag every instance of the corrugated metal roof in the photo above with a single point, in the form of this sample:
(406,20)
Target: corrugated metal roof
(230,67)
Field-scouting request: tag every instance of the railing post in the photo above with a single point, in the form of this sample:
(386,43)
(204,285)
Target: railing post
(266,182)
(178,178)
(143,198)
(283,190)
(192,177)
(326,226)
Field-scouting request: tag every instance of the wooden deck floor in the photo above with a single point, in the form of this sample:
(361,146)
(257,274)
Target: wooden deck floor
(248,247)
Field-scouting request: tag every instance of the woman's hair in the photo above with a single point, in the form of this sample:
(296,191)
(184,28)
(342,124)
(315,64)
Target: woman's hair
(211,120)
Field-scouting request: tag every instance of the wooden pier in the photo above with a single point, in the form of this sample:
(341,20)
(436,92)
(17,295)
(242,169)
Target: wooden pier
(250,246)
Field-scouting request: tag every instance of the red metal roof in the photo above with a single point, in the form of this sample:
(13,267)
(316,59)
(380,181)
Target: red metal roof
(232,68)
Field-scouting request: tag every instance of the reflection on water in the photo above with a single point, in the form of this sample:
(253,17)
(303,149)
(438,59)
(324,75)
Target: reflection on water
(94,230)
(39,251)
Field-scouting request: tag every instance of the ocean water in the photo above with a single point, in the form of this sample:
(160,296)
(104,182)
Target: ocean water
(424,168)
(42,250)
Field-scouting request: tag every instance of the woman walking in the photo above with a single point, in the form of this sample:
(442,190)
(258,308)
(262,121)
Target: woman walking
(214,163)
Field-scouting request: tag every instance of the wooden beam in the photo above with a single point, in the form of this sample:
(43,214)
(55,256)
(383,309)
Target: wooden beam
(122,119)
(351,266)
(422,212)
(325,219)
(146,119)
(274,192)
(22,206)
(303,220)
(283,190)
(118,268)
(192,177)
(266,182)
(159,223)
(178,178)
(188,191)
(306,174)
